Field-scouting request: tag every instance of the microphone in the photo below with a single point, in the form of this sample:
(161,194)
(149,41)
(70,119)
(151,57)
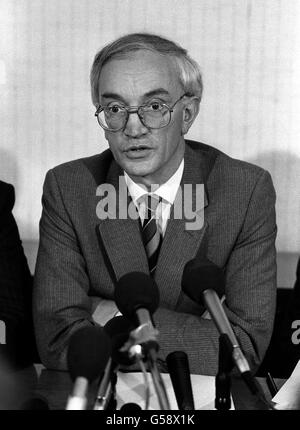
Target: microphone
(137,297)
(87,355)
(201,281)
(117,329)
(130,407)
(105,399)
(179,371)
(117,326)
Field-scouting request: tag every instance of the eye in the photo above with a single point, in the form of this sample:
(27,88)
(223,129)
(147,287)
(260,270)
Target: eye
(155,106)
(114,109)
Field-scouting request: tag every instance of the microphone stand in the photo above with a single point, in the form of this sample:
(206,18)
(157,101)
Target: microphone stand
(158,381)
(107,400)
(145,335)
(223,379)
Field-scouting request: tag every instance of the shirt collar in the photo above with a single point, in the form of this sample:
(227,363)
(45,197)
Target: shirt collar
(167,191)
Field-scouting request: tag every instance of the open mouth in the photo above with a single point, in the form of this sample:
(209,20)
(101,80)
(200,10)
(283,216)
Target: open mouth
(138,148)
(138,151)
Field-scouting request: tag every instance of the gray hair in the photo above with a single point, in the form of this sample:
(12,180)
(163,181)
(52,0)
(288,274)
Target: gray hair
(188,70)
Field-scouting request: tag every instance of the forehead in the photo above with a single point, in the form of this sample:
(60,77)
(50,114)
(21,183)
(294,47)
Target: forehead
(138,73)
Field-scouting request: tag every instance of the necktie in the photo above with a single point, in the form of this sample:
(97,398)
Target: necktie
(151,236)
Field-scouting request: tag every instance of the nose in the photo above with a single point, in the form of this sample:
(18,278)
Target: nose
(134,126)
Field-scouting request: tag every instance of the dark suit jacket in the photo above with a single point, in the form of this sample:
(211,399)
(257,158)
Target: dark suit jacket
(81,256)
(15,286)
(283,352)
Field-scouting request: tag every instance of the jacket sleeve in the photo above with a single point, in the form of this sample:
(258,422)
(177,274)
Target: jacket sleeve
(250,293)
(61,303)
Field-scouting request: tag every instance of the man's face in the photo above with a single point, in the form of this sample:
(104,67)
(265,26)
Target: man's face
(141,78)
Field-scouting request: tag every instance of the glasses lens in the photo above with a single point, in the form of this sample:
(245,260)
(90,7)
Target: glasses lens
(112,117)
(155,115)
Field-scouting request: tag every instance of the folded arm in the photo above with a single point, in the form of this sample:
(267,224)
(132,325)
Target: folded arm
(250,293)
(61,299)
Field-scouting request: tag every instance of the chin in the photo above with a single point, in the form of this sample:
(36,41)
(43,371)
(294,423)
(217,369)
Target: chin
(138,173)
(138,169)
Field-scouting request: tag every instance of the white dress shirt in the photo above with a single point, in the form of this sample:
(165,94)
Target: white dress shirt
(166,191)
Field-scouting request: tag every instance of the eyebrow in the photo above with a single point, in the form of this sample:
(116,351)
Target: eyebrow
(157,91)
(112,96)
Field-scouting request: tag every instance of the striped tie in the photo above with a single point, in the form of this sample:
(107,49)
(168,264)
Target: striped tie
(151,236)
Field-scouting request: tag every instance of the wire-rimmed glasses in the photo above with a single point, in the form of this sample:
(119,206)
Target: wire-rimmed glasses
(153,115)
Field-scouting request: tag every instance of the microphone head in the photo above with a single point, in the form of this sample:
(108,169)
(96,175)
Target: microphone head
(118,356)
(119,328)
(130,407)
(136,290)
(88,352)
(118,325)
(202,275)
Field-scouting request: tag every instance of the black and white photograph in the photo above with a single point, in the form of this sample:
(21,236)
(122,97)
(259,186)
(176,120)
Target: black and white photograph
(149,207)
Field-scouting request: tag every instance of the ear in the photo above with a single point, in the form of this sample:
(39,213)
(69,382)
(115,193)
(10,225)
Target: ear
(190,111)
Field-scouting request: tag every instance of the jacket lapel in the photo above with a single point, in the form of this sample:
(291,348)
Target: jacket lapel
(180,244)
(121,238)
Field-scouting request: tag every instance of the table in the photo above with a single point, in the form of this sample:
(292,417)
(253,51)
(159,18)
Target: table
(55,386)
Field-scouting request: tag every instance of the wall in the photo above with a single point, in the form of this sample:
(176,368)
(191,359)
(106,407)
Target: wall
(248,51)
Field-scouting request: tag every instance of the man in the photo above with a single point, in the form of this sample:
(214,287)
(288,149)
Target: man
(147,91)
(17,335)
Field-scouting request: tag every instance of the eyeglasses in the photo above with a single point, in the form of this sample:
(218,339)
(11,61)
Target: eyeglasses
(155,114)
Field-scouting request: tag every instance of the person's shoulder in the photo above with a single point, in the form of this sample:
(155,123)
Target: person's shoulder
(92,166)
(224,163)
(5,188)
(7,196)
(85,162)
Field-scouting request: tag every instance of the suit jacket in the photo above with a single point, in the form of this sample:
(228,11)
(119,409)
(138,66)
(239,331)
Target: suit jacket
(81,256)
(15,287)
(283,352)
